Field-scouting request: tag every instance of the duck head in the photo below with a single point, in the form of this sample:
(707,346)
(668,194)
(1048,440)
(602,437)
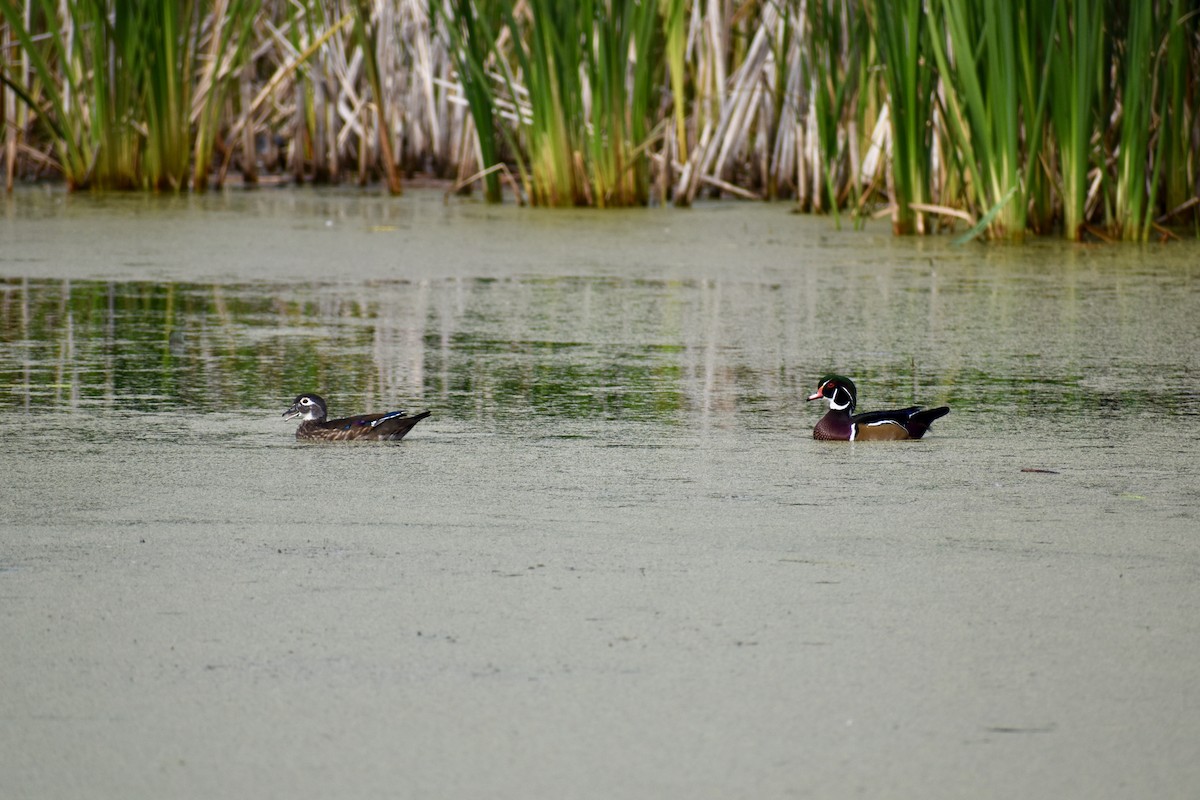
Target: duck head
(308,407)
(838,391)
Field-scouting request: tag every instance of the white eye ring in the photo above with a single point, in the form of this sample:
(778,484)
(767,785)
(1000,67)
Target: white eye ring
(304,401)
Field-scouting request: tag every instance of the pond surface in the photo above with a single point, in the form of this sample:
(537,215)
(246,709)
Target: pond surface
(613,563)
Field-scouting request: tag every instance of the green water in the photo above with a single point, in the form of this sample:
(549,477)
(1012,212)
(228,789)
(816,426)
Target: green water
(613,562)
(241,301)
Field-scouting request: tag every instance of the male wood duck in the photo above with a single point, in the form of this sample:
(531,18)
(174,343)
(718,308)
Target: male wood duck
(840,423)
(310,408)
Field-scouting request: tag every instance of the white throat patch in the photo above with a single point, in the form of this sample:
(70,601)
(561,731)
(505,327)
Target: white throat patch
(836,406)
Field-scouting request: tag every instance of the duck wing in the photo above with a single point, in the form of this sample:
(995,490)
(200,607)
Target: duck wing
(393,425)
(390,426)
(914,420)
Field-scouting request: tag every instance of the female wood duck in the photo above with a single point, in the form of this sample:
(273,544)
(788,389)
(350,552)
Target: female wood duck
(840,423)
(310,408)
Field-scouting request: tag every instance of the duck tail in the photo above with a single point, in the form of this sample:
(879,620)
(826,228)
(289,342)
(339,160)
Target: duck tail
(919,422)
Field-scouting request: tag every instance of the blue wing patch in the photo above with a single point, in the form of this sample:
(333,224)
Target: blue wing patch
(386,417)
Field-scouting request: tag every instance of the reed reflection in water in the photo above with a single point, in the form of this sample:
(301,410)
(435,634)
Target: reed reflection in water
(472,347)
(495,349)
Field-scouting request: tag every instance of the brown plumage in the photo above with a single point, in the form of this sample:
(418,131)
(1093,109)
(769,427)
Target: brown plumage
(310,408)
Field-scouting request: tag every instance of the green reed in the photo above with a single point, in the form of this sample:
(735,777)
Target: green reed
(675,33)
(120,79)
(223,60)
(588,73)
(1034,115)
(1033,54)
(1132,210)
(775,127)
(988,73)
(160,47)
(549,52)
(472,27)
(1074,81)
(59,86)
(624,61)
(1177,109)
(838,43)
(1155,168)
(366,34)
(902,34)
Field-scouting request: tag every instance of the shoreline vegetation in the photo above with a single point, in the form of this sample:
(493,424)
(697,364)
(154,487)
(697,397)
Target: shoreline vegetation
(1073,118)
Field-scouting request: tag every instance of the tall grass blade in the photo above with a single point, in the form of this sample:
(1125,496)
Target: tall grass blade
(1078,27)
(366,33)
(675,21)
(836,33)
(986,220)
(473,29)
(1133,210)
(901,32)
(231,33)
(1177,107)
(64,121)
(1074,114)
(158,40)
(981,70)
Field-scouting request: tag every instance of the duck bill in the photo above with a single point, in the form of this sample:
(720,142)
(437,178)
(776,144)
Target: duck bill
(816,395)
(292,412)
